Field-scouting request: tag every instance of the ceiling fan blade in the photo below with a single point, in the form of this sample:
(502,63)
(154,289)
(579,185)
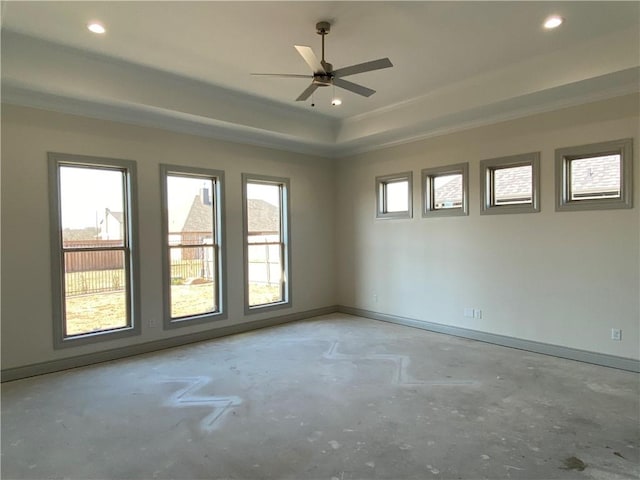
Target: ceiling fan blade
(285,75)
(307,93)
(311,59)
(363,67)
(353,87)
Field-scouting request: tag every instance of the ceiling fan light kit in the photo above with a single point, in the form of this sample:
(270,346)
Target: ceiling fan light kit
(324,75)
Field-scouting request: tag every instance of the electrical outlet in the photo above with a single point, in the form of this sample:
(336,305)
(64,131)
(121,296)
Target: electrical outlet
(153,323)
(468,312)
(375,297)
(616,334)
(477,313)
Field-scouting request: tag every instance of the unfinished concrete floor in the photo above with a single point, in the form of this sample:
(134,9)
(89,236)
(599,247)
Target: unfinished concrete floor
(337,397)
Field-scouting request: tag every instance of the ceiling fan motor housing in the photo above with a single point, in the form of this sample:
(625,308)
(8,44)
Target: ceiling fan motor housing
(322,80)
(323,73)
(322,28)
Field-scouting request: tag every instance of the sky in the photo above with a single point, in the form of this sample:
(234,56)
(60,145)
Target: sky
(87,192)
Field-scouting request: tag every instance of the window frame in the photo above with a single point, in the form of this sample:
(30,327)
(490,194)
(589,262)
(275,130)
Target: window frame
(428,175)
(563,158)
(130,247)
(487,169)
(285,240)
(381,182)
(217,177)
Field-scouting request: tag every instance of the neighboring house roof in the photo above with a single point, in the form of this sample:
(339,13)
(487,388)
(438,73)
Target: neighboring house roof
(450,192)
(513,183)
(594,175)
(598,174)
(119,216)
(263,217)
(199,218)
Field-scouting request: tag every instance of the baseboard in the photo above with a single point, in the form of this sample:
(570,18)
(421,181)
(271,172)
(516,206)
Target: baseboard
(147,347)
(602,359)
(511,342)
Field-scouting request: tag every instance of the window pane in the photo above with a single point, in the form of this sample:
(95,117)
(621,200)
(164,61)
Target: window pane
(595,177)
(513,185)
(265,274)
(447,191)
(92,206)
(190,210)
(397,196)
(263,209)
(95,285)
(193,281)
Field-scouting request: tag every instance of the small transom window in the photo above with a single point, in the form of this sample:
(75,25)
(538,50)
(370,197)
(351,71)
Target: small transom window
(510,184)
(445,190)
(596,176)
(393,194)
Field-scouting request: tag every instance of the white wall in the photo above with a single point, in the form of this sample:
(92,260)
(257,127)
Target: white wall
(561,278)
(27,136)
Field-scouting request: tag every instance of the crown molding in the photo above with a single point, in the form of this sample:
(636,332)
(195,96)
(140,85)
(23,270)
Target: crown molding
(42,75)
(613,85)
(165,119)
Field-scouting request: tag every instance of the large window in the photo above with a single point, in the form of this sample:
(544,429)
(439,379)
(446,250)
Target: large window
(394,195)
(266,237)
(94,249)
(510,184)
(596,176)
(193,247)
(445,191)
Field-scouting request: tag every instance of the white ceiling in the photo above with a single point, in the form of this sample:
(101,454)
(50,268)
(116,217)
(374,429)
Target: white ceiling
(455,63)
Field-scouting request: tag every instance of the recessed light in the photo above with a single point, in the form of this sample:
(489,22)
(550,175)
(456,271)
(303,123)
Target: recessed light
(554,21)
(96,28)
(336,101)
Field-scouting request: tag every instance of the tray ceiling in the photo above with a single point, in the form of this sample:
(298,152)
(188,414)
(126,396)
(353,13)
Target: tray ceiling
(186,65)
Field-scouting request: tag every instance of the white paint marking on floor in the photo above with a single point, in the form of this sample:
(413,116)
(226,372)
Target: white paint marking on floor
(433,470)
(334,444)
(400,376)
(184,398)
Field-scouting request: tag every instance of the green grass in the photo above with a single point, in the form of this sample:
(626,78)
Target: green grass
(107,310)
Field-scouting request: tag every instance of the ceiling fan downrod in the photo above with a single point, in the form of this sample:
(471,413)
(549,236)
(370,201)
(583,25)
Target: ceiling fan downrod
(323,74)
(322,29)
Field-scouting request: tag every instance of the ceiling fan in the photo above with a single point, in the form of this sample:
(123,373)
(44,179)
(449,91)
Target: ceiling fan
(323,73)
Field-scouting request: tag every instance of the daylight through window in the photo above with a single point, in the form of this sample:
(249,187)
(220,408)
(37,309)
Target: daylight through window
(445,191)
(93,269)
(193,254)
(393,195)
(594,177)
(267,238)
(510,184)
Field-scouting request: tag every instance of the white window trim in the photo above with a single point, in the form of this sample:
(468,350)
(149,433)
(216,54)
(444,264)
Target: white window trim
(563,156)
(487,205)
(219,232)
(285,229)
(381,182)
(428,176)
(60,340)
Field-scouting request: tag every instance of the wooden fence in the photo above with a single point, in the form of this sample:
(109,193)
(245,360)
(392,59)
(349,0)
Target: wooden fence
(86,261)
